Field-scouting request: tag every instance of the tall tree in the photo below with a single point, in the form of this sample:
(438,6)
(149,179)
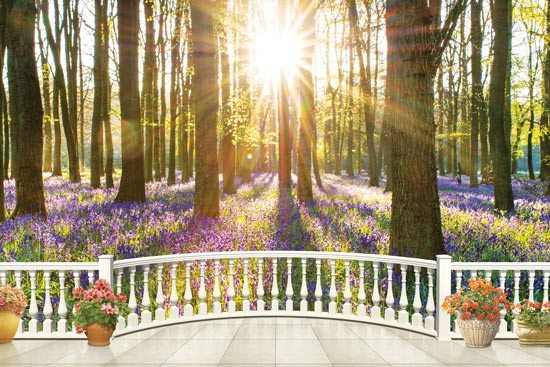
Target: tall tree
(366,94)
(147,87)
(544,125)
(109,154)
(418,44)
(59,78)
(500,149)
(25,108)
(285,164)
(207,201)
(3,25)
(132,182)
(477,88)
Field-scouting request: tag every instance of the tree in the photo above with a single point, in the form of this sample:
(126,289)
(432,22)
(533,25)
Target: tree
(206,106)
(148,85)
(132,182)
(285,164)
(3,25)
(477,88)
(307,102)
(25,108)
(544,125)
(366,96)
(500,155)
(418,45)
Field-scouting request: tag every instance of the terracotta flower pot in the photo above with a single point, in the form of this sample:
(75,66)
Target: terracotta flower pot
(478,333)
(9,322)
(529,335)
(99,335)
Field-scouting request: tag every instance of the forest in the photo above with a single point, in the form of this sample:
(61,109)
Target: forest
(151,127)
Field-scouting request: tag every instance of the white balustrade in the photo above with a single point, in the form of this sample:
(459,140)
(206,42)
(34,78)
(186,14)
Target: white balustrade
(43,281)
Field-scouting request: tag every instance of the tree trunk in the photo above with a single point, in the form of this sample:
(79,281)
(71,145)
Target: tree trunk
(132,182)
(477,88)
(27,115)
(307,103)
(147,88)
(285,164)
(163,110)
(96,146)
(47,116)
(544,125)
(3,29)
(207,201)
(57,170)
(504,200)
(109,154)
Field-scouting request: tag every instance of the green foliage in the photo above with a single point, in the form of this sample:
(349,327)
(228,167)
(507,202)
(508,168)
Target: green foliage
(534,314)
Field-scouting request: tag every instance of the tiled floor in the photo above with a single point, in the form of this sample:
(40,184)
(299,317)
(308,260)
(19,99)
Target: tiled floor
(272,342)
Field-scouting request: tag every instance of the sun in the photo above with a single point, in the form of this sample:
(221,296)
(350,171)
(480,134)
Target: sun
(274,52)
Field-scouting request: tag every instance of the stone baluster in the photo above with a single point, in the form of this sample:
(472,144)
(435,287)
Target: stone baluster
(375,310)
(146,315)
(546,278)
(188,294)
(260,303)
(231,307)
(303,288)
(318,288)
(417,302)
(174,309)
(289,291)
(203,307)
(216,293)
(332,307)
(246,287)
(33,307)
(389,312)
(17,274)
(473,274)
(488,275)
(133,319)
(361,295)
(503,327)
(160,313)
(62,310)
(121,323)
(430,304)
(531,285)
(458,289)
(91,278)
(403,300)
(3,277)
(48,308)
(517,275)
(346,309)
(274,288)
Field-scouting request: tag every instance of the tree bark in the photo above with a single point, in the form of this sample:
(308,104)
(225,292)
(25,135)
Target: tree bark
(27,115)
(477,88)
(96,146)
(147,88)
(544,125)
(204,62)
(3,29)
(500,152)
(285,164)
(132,182)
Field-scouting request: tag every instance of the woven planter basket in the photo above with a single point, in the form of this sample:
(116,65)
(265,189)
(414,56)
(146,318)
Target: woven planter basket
(478,333)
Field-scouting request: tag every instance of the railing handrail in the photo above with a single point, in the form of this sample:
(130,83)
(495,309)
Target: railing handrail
(48,266)
(323,255)
(545,266)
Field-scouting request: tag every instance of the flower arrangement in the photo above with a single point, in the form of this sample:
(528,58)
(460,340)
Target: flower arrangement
(12,299)
(480,301)
(534,314)
(98,305)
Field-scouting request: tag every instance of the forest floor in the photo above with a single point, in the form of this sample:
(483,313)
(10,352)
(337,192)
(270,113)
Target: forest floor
(347,216)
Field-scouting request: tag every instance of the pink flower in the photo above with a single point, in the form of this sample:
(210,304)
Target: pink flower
(109,309)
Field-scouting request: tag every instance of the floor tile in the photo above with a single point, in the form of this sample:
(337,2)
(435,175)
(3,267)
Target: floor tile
(260,331)
(200,352)
(150,351)
(505,354)
(449,352)
(340,331)
(245,352)
(291,321)
(300,351)
(260,321)
(178,332)
(99,355)
(141,335)
(541,351)
(48,353)
(296,331)
(375,332)
(350,351)
(20,346)
(401,351)
(217,331)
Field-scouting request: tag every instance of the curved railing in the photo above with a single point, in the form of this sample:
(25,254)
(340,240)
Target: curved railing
(395,291)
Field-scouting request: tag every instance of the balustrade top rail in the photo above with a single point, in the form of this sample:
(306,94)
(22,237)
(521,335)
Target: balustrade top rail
(48,266)
(517,266)
(275,254)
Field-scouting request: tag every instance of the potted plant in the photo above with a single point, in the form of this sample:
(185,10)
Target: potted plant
(478,311)
(96,312)
(532,322)
(12,303)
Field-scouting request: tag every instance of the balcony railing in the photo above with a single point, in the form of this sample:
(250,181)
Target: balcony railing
(390,290)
